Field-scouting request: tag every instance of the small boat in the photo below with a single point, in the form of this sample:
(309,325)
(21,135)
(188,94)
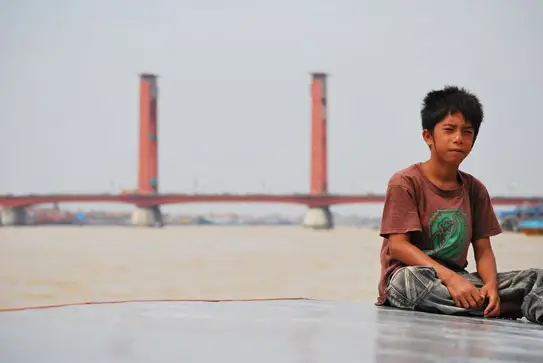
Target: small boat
(531,227)
(510,219)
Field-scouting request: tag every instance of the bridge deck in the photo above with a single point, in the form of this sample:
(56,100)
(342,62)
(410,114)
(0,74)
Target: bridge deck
(146,200)
(270,331)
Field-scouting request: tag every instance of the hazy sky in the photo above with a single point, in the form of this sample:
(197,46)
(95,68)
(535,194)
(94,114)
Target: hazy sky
(234,107)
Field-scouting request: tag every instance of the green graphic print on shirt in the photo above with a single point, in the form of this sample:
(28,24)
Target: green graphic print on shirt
(447,230)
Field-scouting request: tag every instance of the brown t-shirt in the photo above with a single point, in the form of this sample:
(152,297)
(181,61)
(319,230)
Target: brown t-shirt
(439,222)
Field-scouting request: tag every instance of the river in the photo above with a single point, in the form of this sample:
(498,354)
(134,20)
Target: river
(59,265)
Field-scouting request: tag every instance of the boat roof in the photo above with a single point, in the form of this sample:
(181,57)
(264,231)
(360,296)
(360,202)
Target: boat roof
(259,331)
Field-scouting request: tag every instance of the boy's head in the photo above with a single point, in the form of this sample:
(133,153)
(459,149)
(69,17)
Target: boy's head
(451,119)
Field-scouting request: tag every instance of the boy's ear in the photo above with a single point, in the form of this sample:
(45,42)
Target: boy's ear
(428,138)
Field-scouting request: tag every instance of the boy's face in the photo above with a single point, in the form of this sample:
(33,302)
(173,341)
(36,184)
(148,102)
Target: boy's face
(452,139)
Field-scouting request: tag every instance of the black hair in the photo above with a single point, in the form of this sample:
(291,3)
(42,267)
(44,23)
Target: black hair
(450,100)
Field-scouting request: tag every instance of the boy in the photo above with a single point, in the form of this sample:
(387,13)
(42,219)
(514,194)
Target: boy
(433,212)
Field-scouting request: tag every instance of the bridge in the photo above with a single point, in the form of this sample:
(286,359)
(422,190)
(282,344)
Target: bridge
(147,200)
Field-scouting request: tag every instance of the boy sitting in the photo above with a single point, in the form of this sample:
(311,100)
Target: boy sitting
(433,212)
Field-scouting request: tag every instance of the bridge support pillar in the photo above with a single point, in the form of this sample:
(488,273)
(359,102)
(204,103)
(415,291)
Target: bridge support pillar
(14,216)
(148,142)
(147,217)
(319,218)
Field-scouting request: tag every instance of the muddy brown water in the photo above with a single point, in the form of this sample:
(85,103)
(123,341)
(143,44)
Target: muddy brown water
(58,265)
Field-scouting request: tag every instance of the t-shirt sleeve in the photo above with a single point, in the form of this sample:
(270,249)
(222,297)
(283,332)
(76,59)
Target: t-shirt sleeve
(400,211)
(484,220)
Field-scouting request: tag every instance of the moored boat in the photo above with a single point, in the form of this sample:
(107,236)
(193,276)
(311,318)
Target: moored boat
(531,226)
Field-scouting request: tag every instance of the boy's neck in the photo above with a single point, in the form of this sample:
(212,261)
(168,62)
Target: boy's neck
(441,173)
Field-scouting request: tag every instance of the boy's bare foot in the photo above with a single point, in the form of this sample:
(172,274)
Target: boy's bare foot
(510,310)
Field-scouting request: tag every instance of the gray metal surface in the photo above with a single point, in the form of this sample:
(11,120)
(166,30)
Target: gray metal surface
(269,331)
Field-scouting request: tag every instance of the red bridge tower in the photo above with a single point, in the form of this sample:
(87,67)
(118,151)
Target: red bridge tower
(321,217)
(148,138)
(148,151)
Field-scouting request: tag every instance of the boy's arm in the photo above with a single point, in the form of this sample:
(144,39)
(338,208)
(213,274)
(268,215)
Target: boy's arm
(486,267)
(485,225)
(402,250)
(485,260)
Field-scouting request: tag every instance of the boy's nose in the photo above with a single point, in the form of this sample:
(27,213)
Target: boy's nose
(458,138)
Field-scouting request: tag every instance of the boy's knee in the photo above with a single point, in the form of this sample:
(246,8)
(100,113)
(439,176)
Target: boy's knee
(537,271)
(410,285)
(533,274)
(410,276)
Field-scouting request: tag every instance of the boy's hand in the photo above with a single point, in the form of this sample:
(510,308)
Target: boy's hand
(464,293)
(490,291)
